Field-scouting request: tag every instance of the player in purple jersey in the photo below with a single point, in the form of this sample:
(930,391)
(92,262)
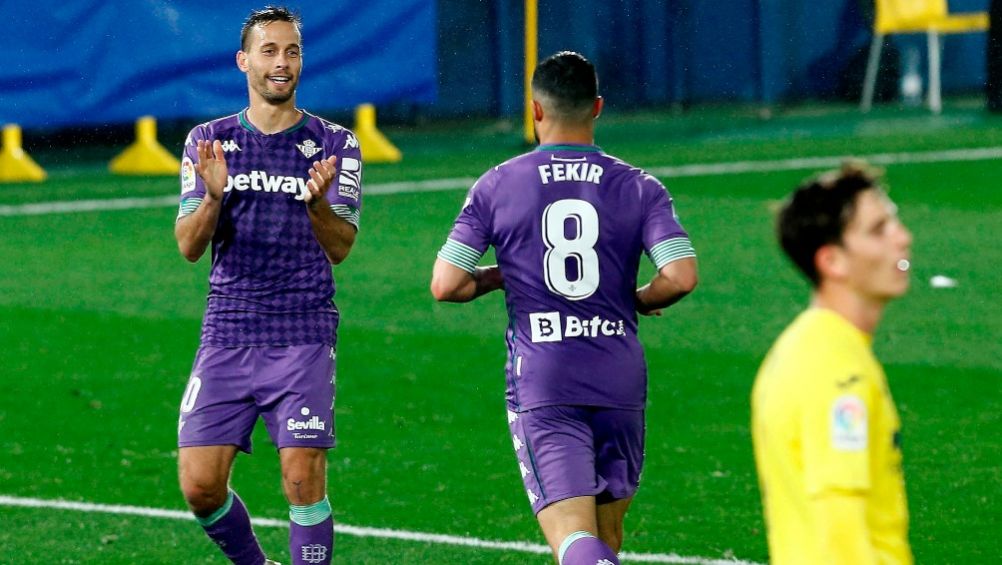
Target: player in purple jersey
(568,224)
(277,193)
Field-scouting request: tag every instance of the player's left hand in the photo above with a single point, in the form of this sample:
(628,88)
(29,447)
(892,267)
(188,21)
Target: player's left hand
(321,176)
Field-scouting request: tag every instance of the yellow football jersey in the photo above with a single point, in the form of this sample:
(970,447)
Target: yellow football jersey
(824,422)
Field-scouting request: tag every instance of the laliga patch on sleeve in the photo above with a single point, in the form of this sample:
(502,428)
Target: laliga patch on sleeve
(187,175)
(849,423)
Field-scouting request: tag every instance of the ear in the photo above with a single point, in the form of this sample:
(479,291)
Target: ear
(831,262)
(242,61)
(537,111)
(596,110)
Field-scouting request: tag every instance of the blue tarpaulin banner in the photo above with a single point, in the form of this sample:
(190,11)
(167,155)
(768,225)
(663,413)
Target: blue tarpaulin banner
(77,62)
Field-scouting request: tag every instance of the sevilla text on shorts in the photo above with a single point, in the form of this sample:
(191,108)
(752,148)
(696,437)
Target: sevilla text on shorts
(314,423)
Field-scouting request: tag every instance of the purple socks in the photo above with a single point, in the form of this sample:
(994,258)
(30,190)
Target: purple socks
(230,528)
(311,533)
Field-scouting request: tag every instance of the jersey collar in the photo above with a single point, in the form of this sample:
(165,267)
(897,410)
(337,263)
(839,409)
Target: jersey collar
(250,127)
(569,147)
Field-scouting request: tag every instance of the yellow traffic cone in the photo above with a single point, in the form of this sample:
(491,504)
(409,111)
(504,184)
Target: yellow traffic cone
(145,156)
(15,164)
(375,147)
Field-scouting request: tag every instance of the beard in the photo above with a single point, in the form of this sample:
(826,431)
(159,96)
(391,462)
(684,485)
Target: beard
(277,98)
(272,97)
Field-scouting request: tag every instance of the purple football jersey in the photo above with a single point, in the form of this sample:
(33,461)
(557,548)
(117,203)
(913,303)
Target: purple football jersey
(270,282)
(569,224)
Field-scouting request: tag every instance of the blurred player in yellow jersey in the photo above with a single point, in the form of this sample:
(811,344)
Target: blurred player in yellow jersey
(826,433)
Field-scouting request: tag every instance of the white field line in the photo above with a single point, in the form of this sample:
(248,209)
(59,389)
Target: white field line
(805,163)
(98,205)
(67,206)
(435,185)
(357,531)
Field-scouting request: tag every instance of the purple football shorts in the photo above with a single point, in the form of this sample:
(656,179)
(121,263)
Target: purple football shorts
(291,388)
(569,451)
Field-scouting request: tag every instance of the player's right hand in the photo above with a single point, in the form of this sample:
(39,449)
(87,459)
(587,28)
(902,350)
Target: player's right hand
(211,166)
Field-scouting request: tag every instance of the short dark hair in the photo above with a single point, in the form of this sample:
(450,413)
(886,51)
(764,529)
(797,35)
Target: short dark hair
(818,211)
(265,16)
(569,83)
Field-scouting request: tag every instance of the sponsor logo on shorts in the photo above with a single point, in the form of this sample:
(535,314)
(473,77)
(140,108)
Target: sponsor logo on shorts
(314,423)
(548,327)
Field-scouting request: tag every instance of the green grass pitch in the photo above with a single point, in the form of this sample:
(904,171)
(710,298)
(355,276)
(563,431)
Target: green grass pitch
(99,321)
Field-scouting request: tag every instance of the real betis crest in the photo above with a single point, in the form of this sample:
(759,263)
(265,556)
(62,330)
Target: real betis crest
(309,148)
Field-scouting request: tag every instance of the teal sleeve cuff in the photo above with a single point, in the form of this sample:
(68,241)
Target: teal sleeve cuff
(460,255)
(347,213)
(188,205)
(671,250)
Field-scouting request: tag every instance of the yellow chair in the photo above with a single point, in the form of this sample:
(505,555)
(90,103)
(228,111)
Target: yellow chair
(917,16)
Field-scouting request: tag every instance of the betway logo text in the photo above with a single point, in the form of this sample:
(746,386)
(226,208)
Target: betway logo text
(314,423)
(547,326)
(259,181)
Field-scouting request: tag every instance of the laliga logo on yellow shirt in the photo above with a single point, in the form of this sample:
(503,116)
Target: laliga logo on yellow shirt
(848,427)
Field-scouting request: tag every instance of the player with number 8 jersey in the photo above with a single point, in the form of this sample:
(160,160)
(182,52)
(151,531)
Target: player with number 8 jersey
(569,225)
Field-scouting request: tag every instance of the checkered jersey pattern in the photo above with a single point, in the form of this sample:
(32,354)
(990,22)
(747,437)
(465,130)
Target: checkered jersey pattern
(270,282)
